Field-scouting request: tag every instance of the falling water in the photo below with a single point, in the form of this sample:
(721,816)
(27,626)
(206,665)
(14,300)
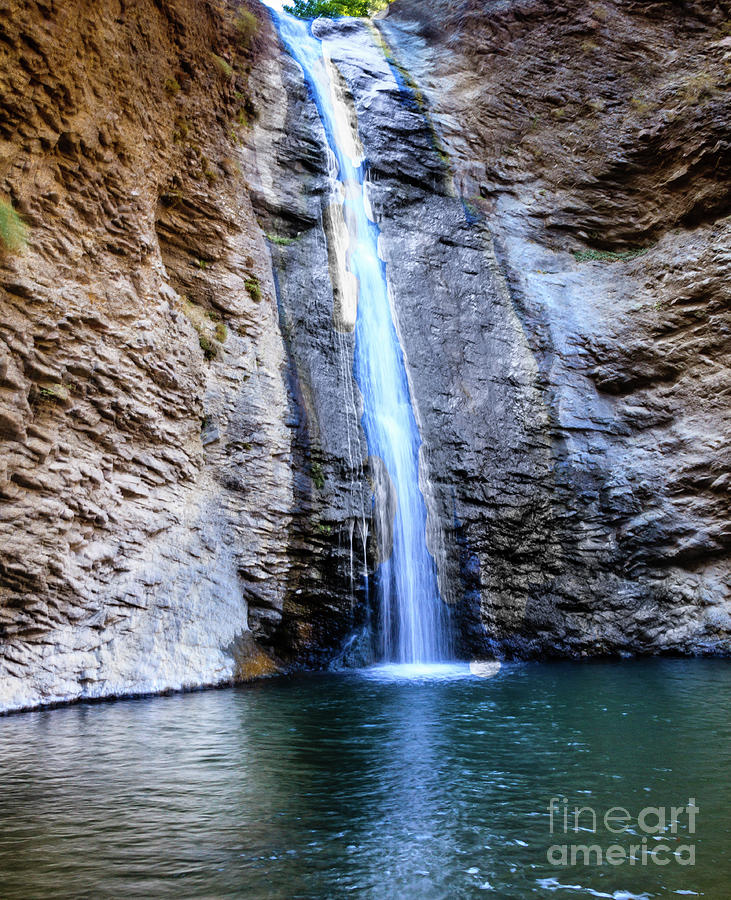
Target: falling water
(413,620)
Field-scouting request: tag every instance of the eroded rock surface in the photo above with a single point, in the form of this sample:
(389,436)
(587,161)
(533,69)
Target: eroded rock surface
(146,478)
(587,451)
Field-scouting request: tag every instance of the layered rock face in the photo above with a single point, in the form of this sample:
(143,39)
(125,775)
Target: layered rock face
(555,234)
(556,259)
(149,503)
(576,400)
(324,612)
(184,481)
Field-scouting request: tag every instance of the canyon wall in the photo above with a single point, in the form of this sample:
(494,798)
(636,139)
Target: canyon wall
(158,507)
(184,483)
(578,398)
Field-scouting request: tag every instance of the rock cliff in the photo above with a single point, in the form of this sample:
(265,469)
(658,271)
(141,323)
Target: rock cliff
(580,403)
(145,416)
(183,479)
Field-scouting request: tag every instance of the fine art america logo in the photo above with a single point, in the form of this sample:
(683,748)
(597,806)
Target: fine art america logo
(652,837)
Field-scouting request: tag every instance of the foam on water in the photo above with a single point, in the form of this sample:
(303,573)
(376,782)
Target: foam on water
(417,672)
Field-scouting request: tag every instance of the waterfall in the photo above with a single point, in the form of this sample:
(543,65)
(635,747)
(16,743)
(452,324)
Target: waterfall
(413,621)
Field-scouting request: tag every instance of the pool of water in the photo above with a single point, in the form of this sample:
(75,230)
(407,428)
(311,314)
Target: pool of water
(376,785)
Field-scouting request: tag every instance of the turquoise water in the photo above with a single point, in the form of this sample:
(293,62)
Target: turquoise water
(367,785)
(413,624)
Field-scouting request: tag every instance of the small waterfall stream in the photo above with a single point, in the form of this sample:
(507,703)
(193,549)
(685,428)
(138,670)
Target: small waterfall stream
(413,625)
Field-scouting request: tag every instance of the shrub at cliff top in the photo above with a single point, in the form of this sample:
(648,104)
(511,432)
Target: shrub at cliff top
(333,9)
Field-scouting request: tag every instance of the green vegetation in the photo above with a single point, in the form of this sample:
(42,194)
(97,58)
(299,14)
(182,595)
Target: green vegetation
(210,335)
(56,393)
(210,351)
(225,68)
(247,26)
(609,255)
(333,9)
(254,288)
(13,230)
(279,239)
(171,86)
(318,476)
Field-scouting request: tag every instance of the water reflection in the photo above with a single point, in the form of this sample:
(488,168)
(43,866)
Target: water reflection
(365,785)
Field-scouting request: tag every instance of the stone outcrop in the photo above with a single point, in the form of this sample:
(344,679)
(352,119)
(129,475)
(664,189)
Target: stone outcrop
(579,397)
(184,485)
(146,479)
